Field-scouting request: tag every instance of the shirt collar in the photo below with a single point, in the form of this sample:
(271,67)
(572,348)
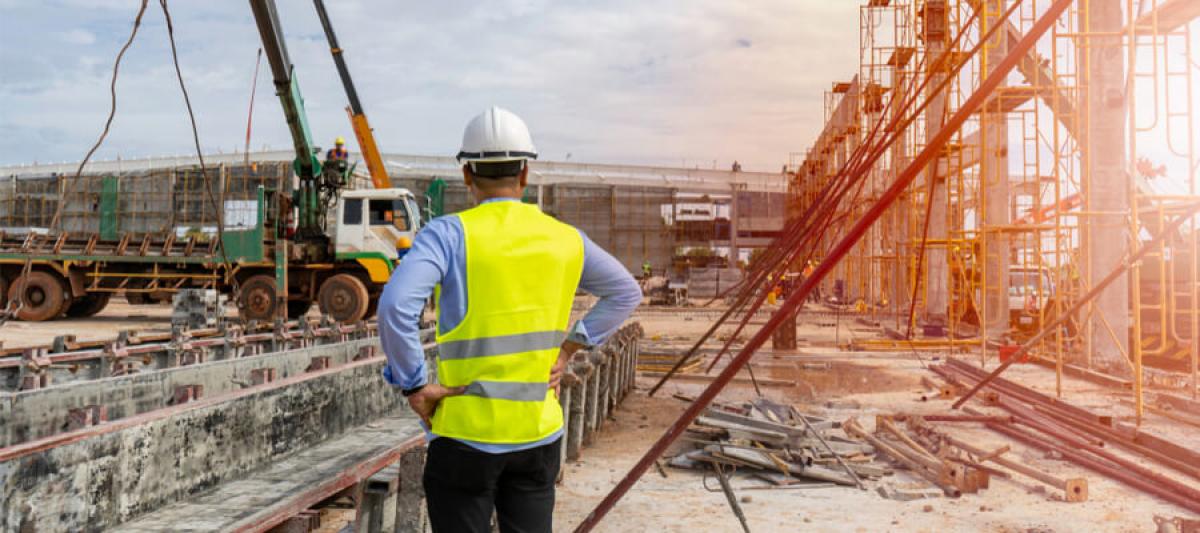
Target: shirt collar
(507,199)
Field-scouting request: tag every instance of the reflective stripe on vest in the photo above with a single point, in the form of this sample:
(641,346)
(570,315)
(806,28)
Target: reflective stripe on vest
(522,270)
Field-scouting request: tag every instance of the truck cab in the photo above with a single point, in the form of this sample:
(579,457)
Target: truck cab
(1030,291)
(375,227)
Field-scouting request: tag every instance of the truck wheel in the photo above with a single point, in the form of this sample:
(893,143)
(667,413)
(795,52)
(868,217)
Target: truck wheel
(42,294)
(344,298)
(3,293)
(258,298)
(372,305)
(89,305)
(298,308)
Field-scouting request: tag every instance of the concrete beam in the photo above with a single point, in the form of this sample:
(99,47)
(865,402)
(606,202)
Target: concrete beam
(1039,74)
(40,413)
(1170,15)
(101,476)
(286,488)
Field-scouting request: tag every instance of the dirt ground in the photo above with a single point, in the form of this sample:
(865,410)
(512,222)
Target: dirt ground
(818,379)
(117,316)
(860,385)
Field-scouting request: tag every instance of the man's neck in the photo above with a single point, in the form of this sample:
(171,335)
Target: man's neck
(501,195)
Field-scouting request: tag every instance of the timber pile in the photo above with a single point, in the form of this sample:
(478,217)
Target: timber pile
(779,445)
(941,467)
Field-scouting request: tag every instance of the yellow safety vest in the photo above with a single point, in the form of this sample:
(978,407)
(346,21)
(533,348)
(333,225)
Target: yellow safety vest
(522,269)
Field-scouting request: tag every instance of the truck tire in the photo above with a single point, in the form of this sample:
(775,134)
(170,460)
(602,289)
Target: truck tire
(372,305)
(3,294)
(258,298)
(298,308)
(88,305)
(43,296)
(344,298)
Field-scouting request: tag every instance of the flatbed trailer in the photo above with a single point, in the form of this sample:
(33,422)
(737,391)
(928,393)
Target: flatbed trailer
(76,274)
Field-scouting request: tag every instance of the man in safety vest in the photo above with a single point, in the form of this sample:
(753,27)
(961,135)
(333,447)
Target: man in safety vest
(338,152)
(504,276)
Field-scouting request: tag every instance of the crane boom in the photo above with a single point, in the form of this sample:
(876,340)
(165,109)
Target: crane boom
(358,118)
(286,86)
(317,186)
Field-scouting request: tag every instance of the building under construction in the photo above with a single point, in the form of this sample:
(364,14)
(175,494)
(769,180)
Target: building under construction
(1082,155)
(972,303)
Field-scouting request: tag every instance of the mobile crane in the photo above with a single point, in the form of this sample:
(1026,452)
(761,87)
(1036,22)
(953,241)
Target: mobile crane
(314,240)
(358,118)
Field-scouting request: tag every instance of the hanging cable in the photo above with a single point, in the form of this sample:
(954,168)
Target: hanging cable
(200,156)
(14,306)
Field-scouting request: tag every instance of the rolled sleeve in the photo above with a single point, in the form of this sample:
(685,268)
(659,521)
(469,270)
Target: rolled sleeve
(604,276)
(403,302)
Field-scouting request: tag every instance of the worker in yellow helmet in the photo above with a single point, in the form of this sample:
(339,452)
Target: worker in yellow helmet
(338,152)
(493,415)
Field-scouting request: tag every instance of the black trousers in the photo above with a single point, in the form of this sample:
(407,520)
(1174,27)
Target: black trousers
(463,485)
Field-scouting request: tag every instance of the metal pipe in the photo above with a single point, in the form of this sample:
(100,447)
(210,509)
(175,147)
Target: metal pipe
(837,456)
(1065,420)
(1121,470)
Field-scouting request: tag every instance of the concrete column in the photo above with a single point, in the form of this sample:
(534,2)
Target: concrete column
(997,200)
(734,250)
(411,514)
(937,273)
(898,213)
(1105,183)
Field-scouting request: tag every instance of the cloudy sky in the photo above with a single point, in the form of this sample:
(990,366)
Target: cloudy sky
(627,81)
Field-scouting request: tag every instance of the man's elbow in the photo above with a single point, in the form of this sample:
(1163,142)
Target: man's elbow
(631,297)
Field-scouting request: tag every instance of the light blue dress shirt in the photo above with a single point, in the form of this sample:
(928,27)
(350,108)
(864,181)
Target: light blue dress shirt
(437,256)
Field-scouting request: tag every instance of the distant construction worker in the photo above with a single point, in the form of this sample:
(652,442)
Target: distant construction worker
(338,152)
(493,416)
(647,272)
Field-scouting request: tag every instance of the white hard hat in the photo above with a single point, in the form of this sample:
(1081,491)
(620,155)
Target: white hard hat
(495,136)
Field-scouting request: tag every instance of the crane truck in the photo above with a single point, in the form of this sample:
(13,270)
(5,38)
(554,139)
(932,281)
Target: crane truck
(311,240)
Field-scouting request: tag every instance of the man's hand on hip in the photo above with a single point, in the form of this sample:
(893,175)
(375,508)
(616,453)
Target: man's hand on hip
(425,401)
(560,366)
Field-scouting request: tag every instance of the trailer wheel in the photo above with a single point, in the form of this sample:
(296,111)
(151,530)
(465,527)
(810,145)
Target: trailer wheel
(344,297)
(42,294)
(298,308)
(258,298)
(89,305)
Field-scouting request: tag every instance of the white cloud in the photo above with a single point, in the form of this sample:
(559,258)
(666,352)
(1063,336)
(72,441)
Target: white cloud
(639,81)
(78,37)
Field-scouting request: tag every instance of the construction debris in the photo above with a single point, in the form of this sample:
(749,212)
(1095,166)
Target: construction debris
(777,444)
